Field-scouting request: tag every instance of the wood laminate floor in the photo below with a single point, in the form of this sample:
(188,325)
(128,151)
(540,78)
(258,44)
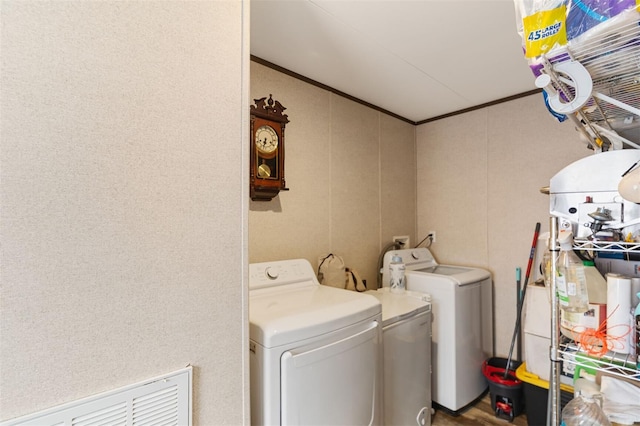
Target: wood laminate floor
(482,414)
(479,414)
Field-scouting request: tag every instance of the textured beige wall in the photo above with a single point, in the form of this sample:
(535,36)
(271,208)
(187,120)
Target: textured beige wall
(351,174)
(123,201)
(476,183)
(479,178)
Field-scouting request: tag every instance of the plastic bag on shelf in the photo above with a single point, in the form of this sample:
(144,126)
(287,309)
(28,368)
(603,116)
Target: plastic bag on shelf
(545,25)
(621,400)
(584,54)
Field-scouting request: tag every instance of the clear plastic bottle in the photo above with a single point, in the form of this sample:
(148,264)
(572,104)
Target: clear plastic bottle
(397,281)
(584,410)
(571,279)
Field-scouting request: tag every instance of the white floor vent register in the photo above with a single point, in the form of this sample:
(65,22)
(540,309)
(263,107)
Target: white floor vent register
(161,401)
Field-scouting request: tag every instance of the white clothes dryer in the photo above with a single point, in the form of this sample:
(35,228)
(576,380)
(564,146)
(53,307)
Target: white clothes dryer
(462,334)
(406,341)
(315,351)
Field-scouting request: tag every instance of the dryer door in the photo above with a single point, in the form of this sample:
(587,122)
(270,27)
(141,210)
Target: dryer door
(333,384)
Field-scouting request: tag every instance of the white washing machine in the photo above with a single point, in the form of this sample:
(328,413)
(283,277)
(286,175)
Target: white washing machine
(315,351)
(406,339)
(462,334)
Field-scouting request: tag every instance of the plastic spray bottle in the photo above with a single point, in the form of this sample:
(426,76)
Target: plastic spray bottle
(396,273)
(571,278)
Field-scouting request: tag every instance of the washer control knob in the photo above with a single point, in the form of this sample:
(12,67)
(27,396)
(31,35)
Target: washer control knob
(415,254)
(271,274)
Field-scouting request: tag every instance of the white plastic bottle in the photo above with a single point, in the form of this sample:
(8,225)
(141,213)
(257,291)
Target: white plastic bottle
(571,279)
(618,316)
(396,273)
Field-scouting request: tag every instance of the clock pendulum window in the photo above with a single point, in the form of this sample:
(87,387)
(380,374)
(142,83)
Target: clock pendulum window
(267,149)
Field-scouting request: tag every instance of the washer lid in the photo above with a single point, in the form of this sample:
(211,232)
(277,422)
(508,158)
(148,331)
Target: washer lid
(458,275)
(444,270)
(298,312)
(397,307)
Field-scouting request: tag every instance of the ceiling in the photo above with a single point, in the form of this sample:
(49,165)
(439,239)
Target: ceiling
(416,59)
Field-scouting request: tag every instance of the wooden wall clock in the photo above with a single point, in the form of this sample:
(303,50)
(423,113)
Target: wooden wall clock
(267,149)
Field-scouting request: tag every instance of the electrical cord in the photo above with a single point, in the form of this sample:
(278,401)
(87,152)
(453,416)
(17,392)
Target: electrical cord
(428,237)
